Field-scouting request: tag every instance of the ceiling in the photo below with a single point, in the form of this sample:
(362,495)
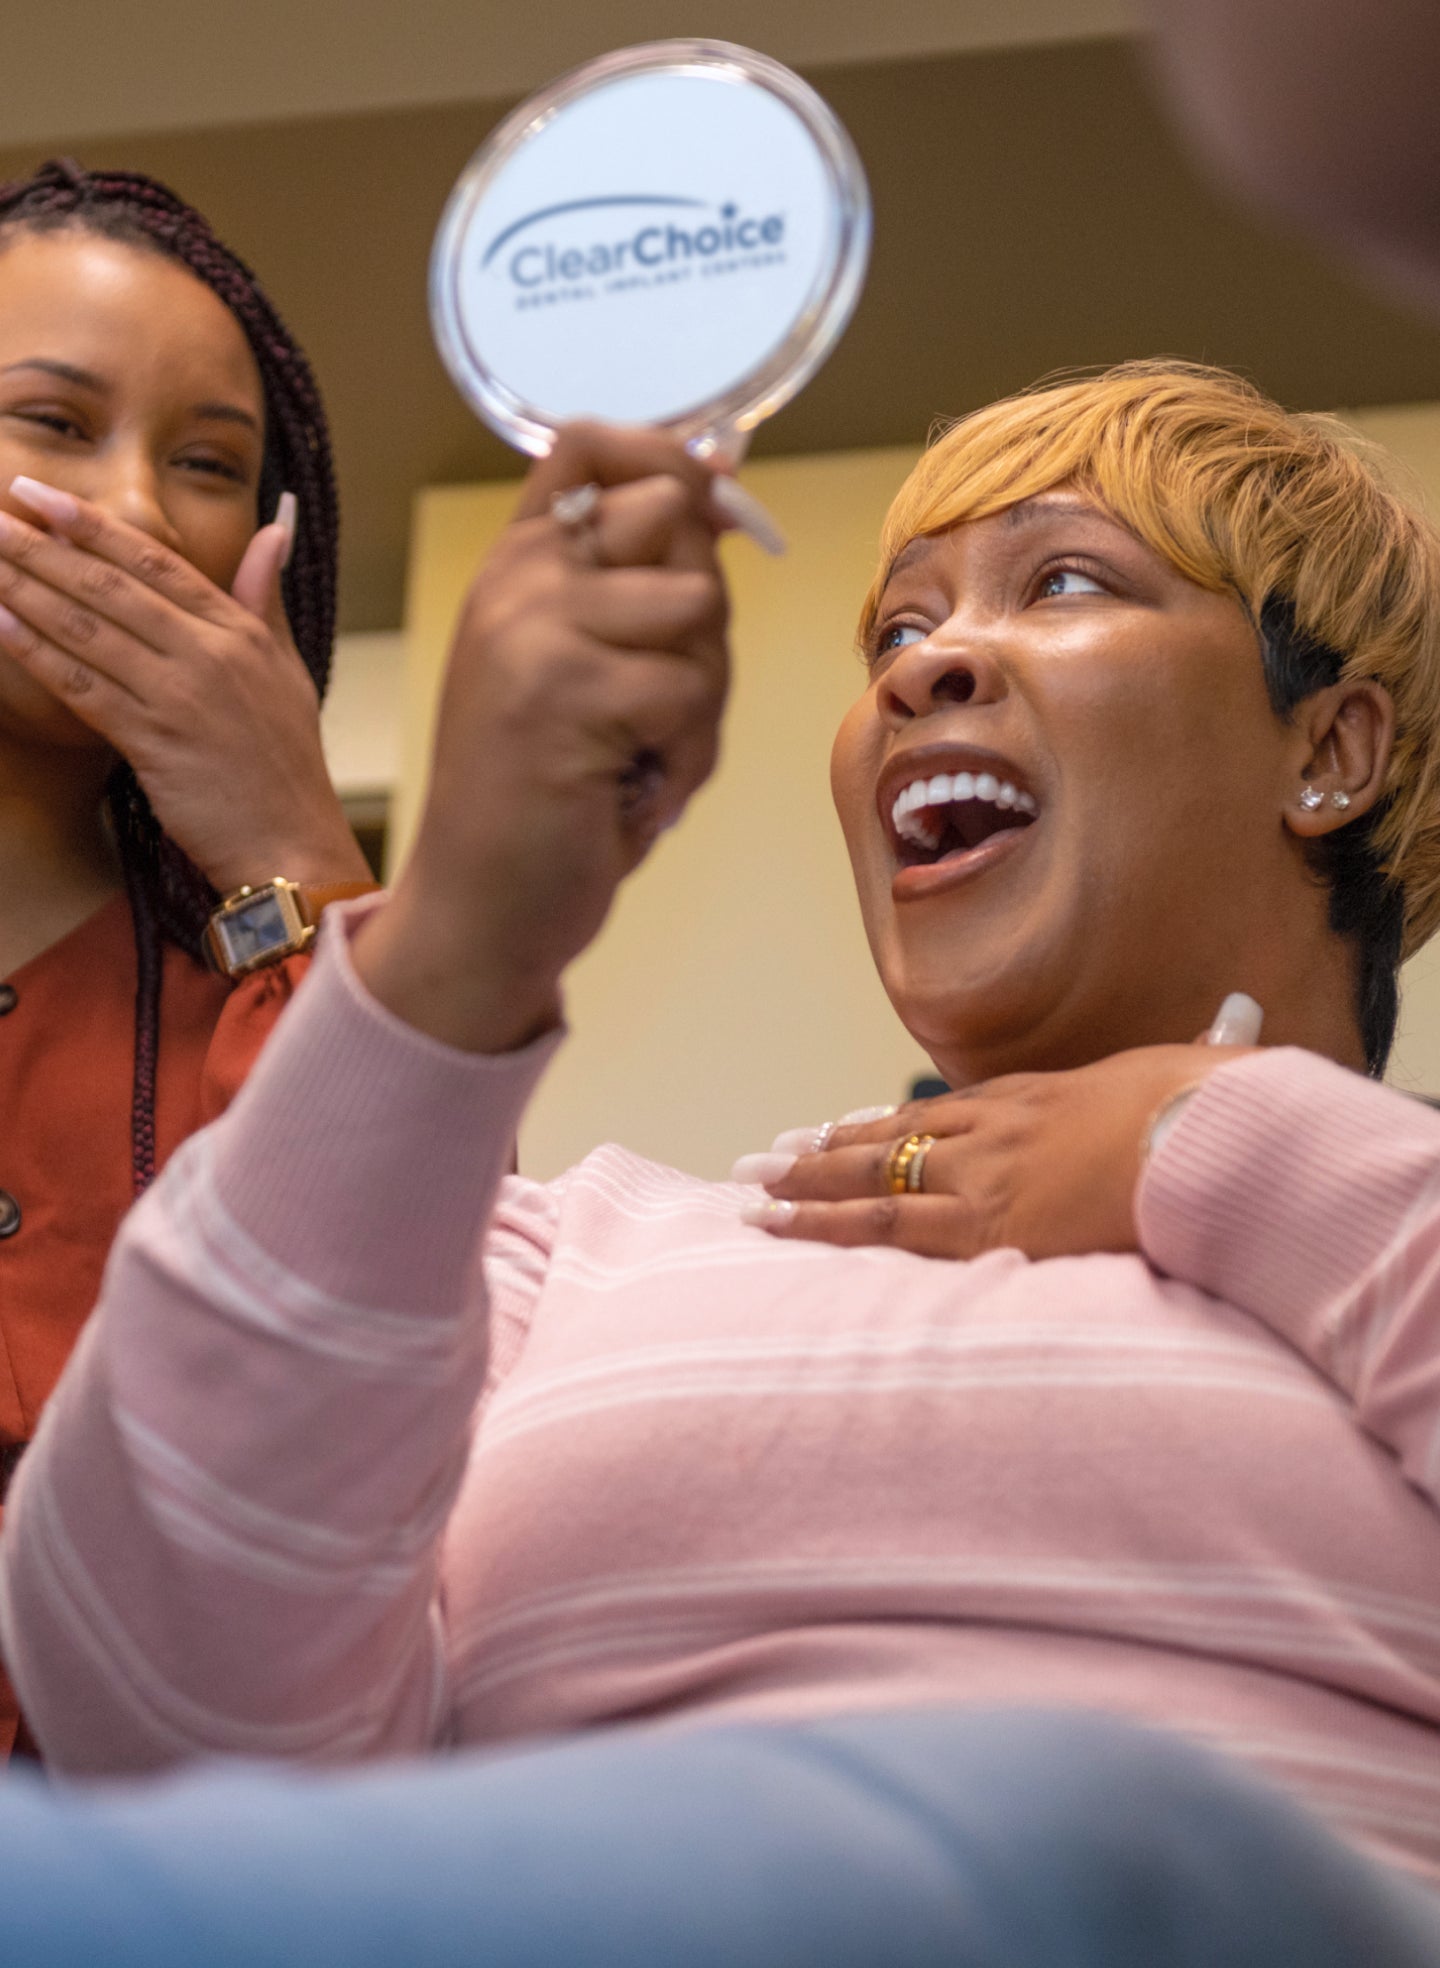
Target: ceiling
(174,65)
(1032,212)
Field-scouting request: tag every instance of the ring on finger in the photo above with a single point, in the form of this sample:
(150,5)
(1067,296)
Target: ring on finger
(905,1164)
(575,509)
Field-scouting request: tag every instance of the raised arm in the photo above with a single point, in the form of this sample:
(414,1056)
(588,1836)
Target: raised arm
(227,1534)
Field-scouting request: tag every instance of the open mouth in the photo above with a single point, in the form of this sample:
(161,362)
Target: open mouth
(948,815)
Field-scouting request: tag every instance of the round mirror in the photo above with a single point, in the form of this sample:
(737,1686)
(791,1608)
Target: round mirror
(674,234)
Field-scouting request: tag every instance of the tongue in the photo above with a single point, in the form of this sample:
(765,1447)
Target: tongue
(969,822)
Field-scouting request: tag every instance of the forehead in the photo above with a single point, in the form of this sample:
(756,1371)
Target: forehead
(1010,523)
(121,311)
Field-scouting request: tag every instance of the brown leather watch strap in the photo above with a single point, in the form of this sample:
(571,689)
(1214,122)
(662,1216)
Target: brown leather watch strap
(315,897)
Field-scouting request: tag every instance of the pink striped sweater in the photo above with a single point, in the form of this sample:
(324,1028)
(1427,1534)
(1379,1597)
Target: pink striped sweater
(369,1448)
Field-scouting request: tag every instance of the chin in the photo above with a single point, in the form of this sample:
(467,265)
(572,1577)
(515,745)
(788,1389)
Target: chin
(30,716)
(979,1011)
(50,728)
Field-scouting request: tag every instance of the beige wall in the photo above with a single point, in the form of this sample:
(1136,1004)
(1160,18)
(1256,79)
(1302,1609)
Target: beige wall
(1411,434)
(731,993)
(361,720)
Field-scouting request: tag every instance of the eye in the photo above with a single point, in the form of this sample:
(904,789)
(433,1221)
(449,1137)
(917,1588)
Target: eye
(1067,581)
(58,421)
(898,635)
(208,464)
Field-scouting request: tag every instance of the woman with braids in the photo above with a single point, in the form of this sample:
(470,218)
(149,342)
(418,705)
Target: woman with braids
(160,671)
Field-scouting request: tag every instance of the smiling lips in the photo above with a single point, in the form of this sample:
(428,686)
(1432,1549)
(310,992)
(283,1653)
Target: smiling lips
(949,815)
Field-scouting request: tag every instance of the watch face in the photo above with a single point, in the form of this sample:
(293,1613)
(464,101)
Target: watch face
(255,928)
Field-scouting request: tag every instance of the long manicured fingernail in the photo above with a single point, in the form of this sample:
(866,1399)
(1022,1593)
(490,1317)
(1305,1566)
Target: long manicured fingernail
(745,512)
(799,1141)
(1237,1022)
(46,499)
(285,515)
(762,1168)
(766,1213)
(862,1116)
(9,624)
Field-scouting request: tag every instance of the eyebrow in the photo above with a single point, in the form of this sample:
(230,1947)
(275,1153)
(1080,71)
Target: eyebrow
(67,372)
(1046,505)
(226,413)
(912,550)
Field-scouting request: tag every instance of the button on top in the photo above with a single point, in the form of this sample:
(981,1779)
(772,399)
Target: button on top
(9,998)
(9,1214)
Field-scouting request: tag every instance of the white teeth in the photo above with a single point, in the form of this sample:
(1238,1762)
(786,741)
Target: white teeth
(912,821)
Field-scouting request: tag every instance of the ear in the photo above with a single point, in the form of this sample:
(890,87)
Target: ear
(1343,739)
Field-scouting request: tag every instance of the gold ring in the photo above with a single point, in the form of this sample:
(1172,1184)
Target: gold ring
(905,1164)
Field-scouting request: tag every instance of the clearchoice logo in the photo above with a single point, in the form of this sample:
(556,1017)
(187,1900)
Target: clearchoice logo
(651,245)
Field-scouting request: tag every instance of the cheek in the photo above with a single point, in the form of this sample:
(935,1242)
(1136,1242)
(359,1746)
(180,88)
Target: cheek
(853,763)
(1168,762)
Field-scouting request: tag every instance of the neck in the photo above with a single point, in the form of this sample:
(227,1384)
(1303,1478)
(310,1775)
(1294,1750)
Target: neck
(1301,974)
(1319,1011)
(57,864)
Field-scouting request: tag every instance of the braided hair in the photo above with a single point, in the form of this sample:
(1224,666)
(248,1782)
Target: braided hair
(170,900)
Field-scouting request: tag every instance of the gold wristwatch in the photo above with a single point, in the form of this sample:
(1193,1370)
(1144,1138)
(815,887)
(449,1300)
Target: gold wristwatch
(259,926)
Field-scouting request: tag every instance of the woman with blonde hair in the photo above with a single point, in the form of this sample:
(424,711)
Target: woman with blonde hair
(1107,1384)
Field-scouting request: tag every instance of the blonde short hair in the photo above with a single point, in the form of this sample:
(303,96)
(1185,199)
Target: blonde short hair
(1239,496)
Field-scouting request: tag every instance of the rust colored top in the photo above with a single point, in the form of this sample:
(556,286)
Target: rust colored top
(67,1057)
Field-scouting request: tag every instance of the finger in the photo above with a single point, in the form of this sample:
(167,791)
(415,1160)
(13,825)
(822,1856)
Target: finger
(960,1111)
(106,706)
(652,608)
(620,702)
(834,1175)
(670,710)
(930,1226)
(652,522)
(815,1140)
(943,1115)
(609,454)
(48,620)
(83,533)
(257,579)
(1237,1022)
(33,564)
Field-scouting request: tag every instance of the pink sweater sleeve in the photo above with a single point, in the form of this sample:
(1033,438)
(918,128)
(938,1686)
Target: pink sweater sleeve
(225,1536)
(1310,1197)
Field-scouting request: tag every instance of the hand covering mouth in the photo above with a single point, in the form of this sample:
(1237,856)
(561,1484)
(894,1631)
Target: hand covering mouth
(934,817)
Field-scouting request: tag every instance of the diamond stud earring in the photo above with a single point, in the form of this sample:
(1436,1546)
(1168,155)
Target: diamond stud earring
(1339,801)
(1311,798)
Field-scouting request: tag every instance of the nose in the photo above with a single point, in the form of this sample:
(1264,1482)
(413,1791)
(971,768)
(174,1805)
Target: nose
(925,676)
(128,487)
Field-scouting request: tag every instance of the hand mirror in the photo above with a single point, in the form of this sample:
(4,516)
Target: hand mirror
(674,234)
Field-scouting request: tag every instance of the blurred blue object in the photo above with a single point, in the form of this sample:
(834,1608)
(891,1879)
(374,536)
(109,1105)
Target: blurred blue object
(969,1839)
